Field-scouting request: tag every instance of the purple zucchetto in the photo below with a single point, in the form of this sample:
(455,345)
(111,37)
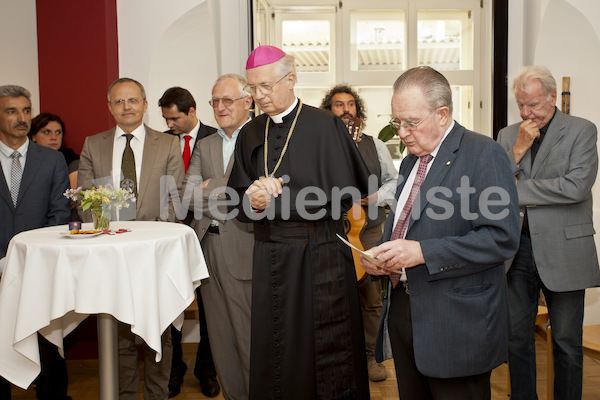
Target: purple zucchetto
(264,55)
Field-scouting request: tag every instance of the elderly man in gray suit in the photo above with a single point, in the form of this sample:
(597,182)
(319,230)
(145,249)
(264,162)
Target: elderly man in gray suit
(555,161)
(227,243)
(444,244)
(133,155)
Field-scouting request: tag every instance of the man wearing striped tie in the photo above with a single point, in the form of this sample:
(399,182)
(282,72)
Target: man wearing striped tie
(179,111)
(455,221)
(33,179)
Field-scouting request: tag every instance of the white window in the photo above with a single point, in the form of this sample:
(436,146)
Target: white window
(368,44)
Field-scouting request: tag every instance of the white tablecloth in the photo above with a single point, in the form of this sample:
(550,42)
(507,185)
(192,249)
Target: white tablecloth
(145,278)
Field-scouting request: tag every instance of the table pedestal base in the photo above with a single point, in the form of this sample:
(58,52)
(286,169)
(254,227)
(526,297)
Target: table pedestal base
(108,362)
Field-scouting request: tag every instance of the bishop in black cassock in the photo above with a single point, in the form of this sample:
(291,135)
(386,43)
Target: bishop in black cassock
(306,337)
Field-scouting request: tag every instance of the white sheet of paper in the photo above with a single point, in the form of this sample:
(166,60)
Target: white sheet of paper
(369,257)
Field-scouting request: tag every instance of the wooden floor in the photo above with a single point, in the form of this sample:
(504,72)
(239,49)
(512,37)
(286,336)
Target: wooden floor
(83,380)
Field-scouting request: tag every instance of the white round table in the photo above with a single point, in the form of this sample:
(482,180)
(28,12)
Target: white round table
(51,282)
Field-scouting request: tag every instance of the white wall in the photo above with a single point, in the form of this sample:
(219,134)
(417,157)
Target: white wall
(18,47)
(564,36)
(186,43)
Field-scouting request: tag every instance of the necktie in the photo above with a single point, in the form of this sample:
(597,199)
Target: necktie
(187,154)
(15,176)
(129,180)
(402,223)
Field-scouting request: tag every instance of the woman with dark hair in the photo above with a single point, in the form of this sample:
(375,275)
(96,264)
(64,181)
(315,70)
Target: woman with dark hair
(49,130)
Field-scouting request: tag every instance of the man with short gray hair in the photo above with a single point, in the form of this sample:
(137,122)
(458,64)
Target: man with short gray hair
(555,162)
(33,179)
(227,243)
(445,316)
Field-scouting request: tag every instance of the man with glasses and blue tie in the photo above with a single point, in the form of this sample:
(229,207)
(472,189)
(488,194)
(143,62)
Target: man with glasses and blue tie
(456,219)
(179,111)
(307,337)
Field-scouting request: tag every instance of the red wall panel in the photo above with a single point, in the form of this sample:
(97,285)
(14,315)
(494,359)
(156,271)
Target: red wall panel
(78,60)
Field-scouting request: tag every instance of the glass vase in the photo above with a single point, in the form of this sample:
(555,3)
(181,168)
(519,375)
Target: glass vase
(101,217)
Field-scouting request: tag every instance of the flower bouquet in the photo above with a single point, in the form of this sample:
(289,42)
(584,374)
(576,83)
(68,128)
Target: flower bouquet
(101,201)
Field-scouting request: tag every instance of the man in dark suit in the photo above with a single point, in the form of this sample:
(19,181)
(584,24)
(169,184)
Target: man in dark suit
(444,243)
(32,184)
(227,243)
(179,111)
(555,161)
(133,155)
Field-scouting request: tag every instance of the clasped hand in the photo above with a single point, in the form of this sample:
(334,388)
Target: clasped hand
(261,190)
(393,256)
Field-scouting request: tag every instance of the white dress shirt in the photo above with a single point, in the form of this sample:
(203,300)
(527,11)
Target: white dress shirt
(6,159)
(194,134)
(6,162)
(137,145)
(411,178)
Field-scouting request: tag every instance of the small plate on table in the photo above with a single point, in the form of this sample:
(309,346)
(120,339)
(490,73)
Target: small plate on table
(78,234)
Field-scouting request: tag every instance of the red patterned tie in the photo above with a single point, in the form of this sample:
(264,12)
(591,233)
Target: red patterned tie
(402,223)
(187,154)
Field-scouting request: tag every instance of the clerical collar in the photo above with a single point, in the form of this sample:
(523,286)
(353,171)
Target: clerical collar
(278,119)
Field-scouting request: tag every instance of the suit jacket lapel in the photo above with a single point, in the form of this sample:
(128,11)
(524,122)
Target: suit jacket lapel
(33,163)
(555,132)
(405,167)
(229,165)
(106,156)
(216,148)
(149,154)
(202,132)
(5,190)
(526,164)
(440,167)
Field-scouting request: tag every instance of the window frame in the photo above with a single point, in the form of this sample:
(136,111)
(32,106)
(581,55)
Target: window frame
(340,47)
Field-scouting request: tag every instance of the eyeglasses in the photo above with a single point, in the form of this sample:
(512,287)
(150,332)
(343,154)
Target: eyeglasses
(122,102)
(264,88)
(409,125)
(227,102)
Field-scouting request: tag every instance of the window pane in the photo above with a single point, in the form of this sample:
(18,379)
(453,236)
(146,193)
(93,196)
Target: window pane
(309,42)
(377,101)
(311,95)
(377,40)
(445,39)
